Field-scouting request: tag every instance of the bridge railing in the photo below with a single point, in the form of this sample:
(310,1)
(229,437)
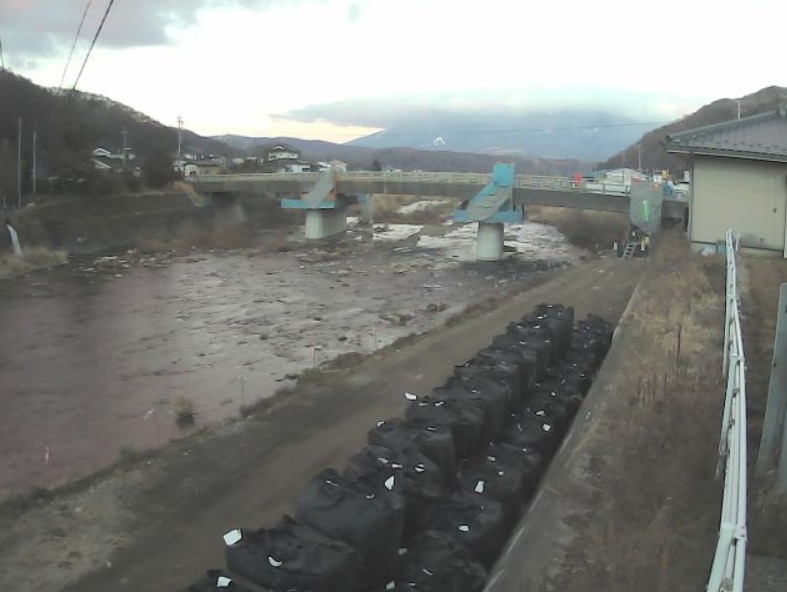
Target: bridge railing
(521,181)
(729,562)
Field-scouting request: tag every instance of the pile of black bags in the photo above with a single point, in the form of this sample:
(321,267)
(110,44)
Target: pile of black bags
(429,503)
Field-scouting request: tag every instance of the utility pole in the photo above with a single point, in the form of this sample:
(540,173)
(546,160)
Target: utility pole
(124,131)
(639,157)
(19,165)
(35,146)
(180,136)
(739,108)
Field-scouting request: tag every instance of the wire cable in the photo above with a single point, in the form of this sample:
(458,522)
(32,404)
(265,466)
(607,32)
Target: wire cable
(74,45)
(93,43)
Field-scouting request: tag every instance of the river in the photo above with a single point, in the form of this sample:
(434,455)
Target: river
(94,355)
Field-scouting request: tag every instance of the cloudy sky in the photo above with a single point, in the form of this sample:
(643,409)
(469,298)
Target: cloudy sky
(336,69)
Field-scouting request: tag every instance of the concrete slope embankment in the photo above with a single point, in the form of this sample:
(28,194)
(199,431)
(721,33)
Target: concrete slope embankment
(630,501)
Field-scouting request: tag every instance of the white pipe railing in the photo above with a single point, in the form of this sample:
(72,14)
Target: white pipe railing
(729,562)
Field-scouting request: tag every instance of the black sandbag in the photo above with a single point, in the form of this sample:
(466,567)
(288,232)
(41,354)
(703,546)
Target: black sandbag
(436,442)
(561,390)
(526,429)
(463,418)
(558,319)
(603,327)
(573,371)
(525,365)
(557,411)
(419,480)
(531,343)
(528,460)
(593,334)
(437,562)
(217,580)
(492,398)
(292,556)
(352,513)
(478,522)
(496,479)
(587,347)
(501,372)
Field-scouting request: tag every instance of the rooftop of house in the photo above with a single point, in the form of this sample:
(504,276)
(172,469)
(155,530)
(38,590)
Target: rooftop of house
(279,147)
(758,137)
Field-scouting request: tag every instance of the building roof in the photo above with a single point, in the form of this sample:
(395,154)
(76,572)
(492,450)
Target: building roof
(280,147)
(759,137)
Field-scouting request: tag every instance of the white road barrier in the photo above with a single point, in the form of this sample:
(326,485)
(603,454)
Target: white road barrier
(729,562)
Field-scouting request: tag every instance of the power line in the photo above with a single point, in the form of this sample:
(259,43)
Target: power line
(93,43)
(76,38)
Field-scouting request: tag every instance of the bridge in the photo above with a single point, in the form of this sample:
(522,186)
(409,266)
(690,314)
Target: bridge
(489,199)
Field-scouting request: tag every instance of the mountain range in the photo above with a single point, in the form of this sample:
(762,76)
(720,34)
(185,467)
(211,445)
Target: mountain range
(362,157)
(581,135)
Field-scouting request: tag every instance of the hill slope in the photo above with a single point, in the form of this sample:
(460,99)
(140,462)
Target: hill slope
(655,156)
(69,126)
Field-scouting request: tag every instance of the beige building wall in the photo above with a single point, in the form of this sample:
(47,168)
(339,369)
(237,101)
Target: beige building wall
(746,195)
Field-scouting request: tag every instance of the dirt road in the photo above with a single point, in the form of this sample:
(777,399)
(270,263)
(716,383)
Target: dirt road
(157,526)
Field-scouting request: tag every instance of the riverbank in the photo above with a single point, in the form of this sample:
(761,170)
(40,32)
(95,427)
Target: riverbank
(156,525)
(112,356)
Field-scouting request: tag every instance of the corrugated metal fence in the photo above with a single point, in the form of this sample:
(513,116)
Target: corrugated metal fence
(729,562)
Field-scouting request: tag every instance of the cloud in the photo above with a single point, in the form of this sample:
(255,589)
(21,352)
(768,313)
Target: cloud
(495,106)
(44,28)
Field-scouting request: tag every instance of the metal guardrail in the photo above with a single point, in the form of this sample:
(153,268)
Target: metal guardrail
(729,562)
(480,179)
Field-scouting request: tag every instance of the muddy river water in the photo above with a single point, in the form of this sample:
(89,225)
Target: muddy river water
(97,357)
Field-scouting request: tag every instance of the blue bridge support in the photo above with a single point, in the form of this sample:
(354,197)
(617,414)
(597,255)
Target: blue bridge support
(325,210)
(492,208)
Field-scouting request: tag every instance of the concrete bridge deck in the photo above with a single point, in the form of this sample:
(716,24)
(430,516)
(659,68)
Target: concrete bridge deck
(528,189)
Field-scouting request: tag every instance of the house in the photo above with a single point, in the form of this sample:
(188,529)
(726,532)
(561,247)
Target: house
(108,164)
(338,166)
(207,166)
(280,152)
(623,176)
(334,165)
(287,166)
(104,163)
(738,180)
(113,154)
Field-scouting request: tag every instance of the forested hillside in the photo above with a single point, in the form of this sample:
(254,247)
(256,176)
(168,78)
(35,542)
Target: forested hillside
(654,156)
(68,127)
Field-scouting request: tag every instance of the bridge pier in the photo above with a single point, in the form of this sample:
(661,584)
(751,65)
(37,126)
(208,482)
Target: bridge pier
(492,207)
(489,243)
(325,210)
(324,223)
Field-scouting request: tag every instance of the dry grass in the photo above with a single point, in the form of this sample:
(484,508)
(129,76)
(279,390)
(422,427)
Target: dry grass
(190,235)
(654,450)
(761,279)
(34,258)
(594,231)
(386,208)
(188,189)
